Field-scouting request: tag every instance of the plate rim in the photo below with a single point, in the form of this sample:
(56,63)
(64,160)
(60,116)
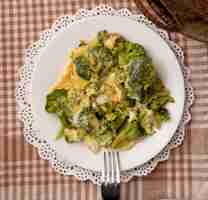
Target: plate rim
(92,19)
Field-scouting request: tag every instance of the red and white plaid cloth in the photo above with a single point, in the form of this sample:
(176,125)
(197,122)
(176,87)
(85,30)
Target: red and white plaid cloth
(24,176)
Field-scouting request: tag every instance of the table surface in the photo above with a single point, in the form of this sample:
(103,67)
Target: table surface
(24,176)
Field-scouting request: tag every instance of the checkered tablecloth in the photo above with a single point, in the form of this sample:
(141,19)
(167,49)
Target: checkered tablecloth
(24,176)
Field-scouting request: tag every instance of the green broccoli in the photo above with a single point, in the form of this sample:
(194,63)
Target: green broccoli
(161,116)
(105,139)
(74,135)
(115,120)
(127,134)
(82,67)
(141,76)
(57,102)
(82,118)
(131,51)
(102,36)
(92,143)
(105,58)
(86,119)
(157,96)
(146,120)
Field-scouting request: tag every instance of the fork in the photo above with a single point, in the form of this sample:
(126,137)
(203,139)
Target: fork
(111,176)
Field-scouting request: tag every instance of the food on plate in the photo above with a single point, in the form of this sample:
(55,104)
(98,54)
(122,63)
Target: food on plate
(110,94)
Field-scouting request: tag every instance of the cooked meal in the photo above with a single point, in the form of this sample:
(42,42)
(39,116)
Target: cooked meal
(109,95)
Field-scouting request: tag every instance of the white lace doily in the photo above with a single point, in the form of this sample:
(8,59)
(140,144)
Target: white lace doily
(26,115)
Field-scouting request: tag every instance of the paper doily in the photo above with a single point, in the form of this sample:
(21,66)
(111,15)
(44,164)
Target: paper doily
(26,115)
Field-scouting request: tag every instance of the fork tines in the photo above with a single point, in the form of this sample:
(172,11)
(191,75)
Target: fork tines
(111,170)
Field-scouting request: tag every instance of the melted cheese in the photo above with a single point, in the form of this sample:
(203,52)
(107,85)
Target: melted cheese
(69,79)
(84,102)
(110,42)
(112,89)
(76,52)
(93,42)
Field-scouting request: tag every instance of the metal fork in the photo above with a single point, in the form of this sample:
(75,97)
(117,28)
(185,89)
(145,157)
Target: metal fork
(111,176)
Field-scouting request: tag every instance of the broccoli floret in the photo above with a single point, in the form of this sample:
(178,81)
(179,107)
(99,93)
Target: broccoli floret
(160,101)
(115,120)
(130,51)
(82,67)
(81,119)
(105,139)
(74,135)
(127,134)
(134,51)
(161,116)
(57,102)
(105,58)
(86,119)
(142,75)
(102,36)
(92,143)
(157,96)
(146,120)
(119,47)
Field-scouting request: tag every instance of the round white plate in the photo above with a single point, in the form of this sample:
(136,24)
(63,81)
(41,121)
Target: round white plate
(52,61)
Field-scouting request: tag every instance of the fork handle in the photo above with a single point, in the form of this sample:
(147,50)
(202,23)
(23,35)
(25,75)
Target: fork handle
(111,192)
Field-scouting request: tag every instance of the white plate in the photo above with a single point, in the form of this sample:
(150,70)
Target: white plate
(52,61)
